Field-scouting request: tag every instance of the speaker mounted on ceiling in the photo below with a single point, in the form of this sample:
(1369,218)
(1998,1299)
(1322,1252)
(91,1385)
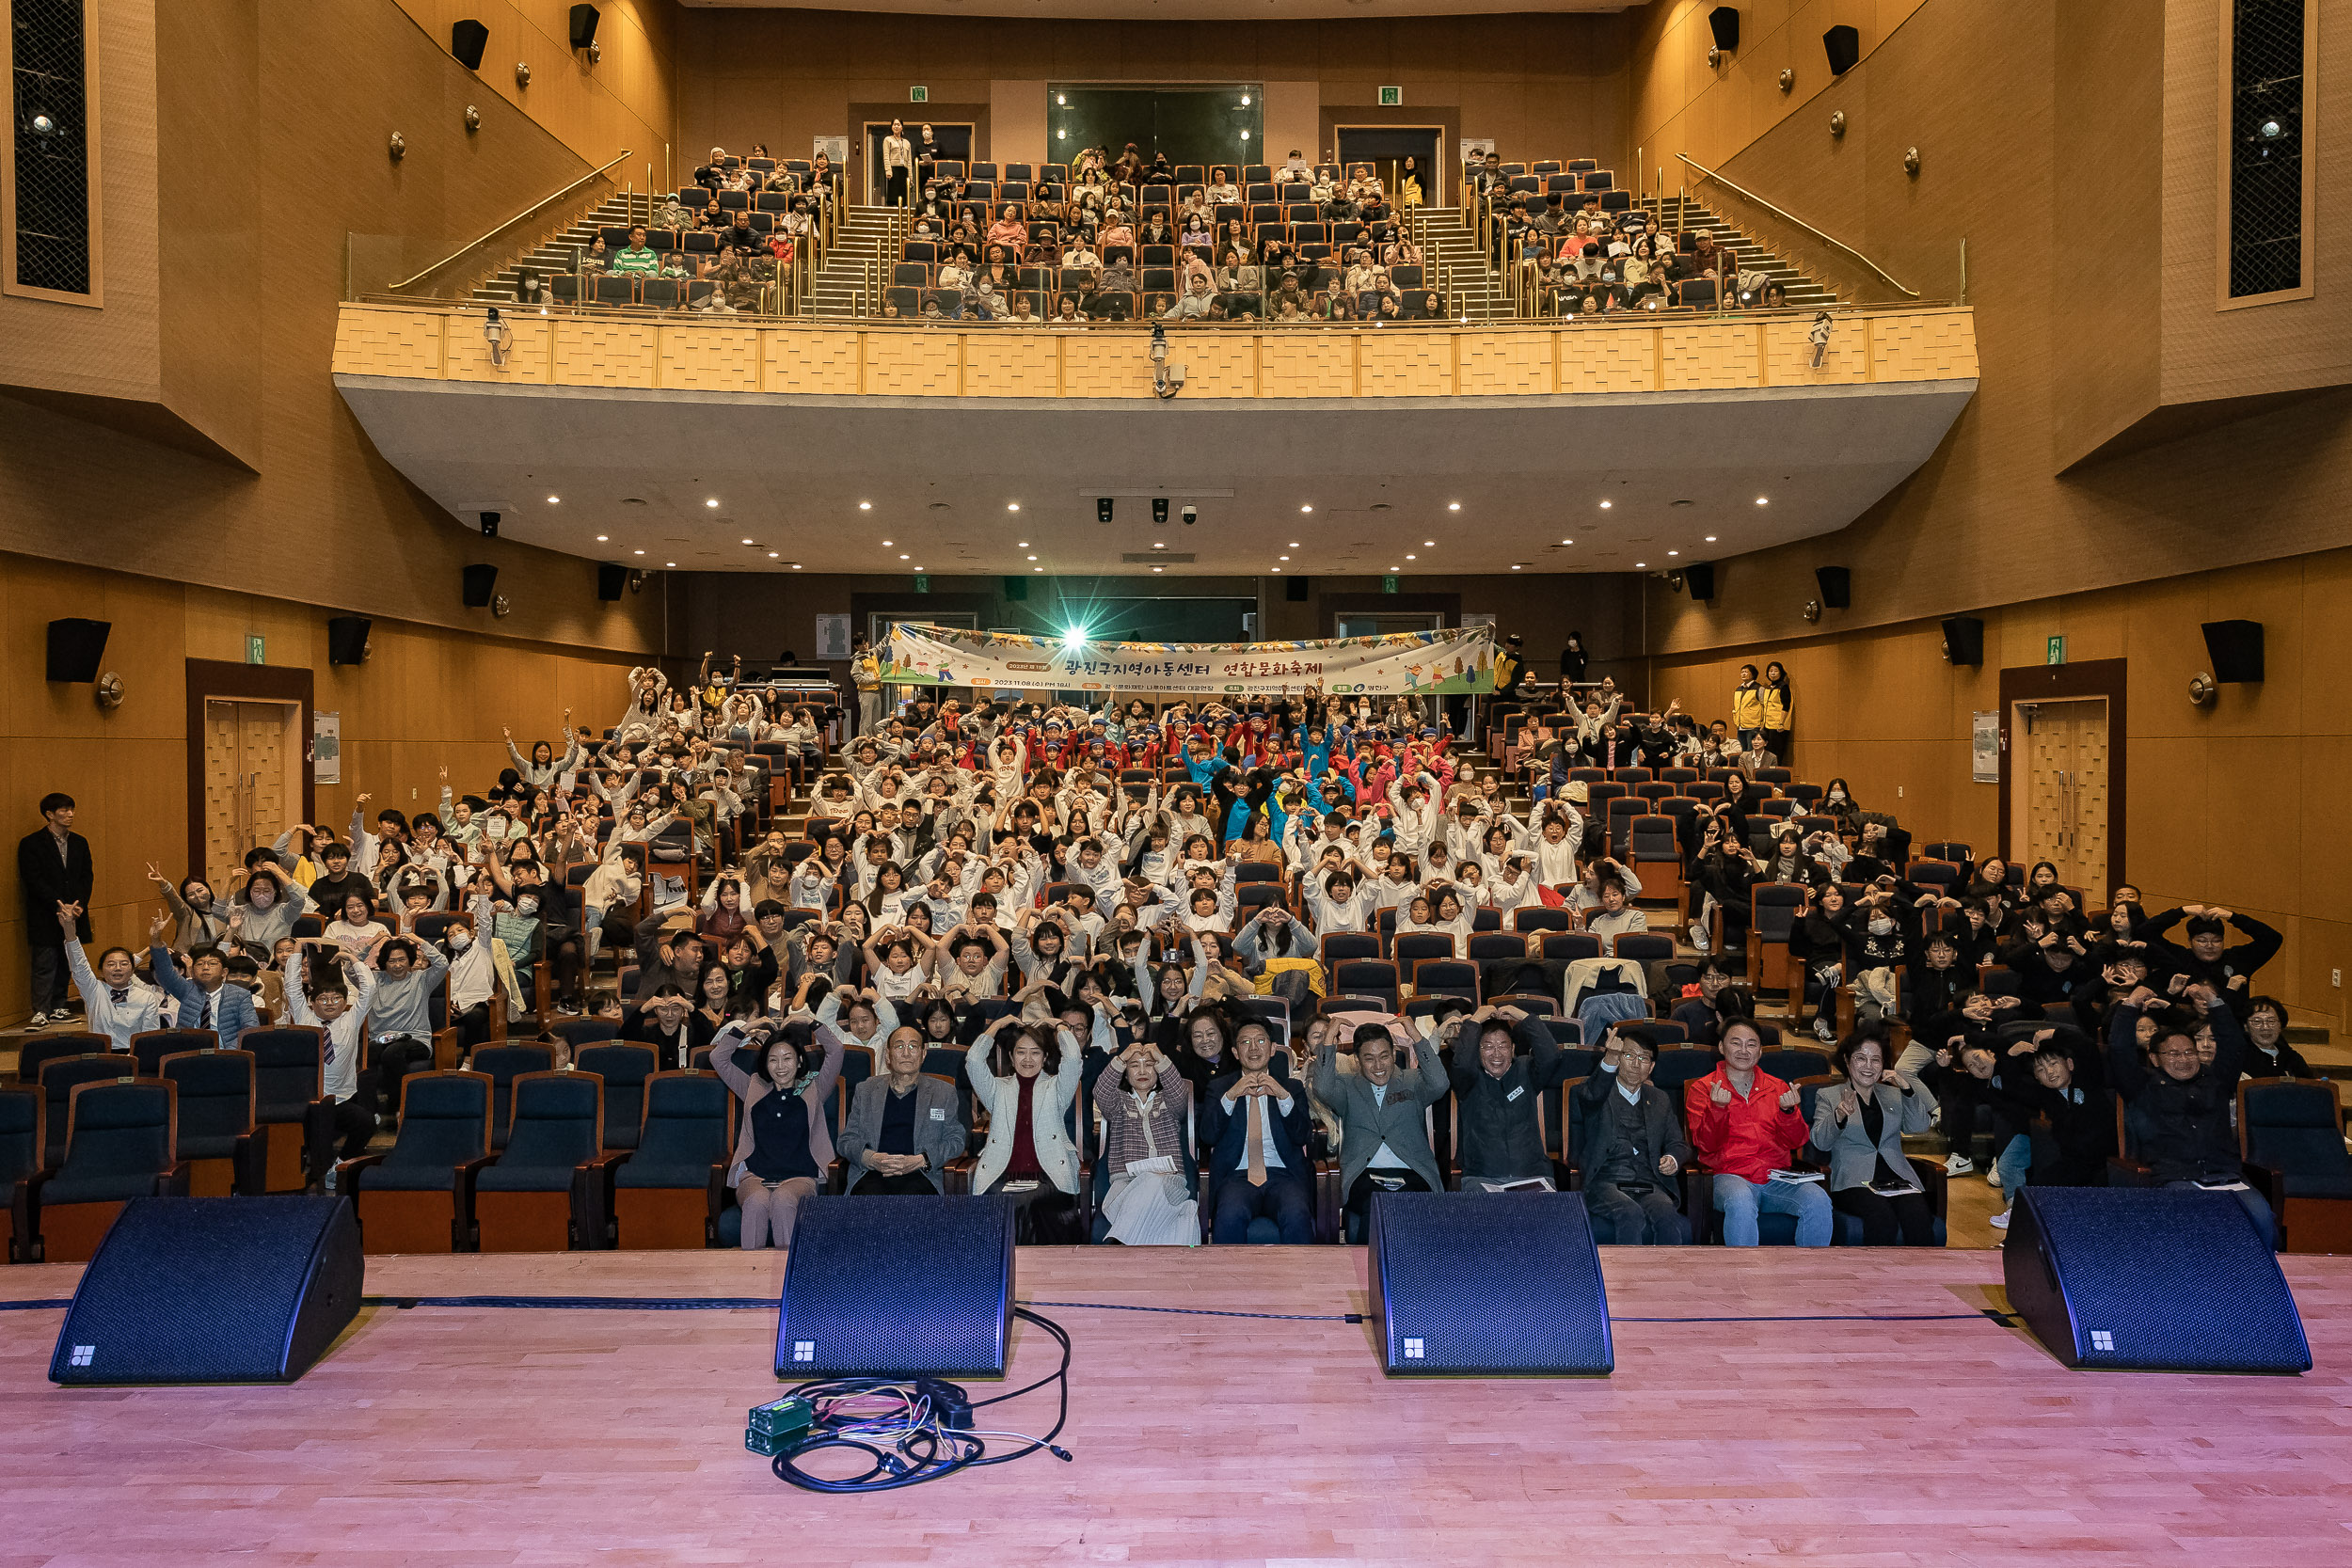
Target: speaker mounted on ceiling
(611,580)
(1699,578)
(1963,641)
(584,26)
(481,583)
(75,648)
(347,638)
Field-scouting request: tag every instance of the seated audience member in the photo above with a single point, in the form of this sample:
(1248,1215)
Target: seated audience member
(2205,960)
(1504,1064)
(783,1147)
(903,1126)
(2271,1056)
(1384,1135)
(1144,1103)
(1630,1145)
(116,1002)
(1745,1125)
(1860,1125)
(2068,1089)
(207,998)
(1027,1075)
(1719,999)
(1254,1124)
(2179,1113)
(399,1018)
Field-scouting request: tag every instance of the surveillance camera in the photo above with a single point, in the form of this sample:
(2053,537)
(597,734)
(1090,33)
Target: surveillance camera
(1159,343)
(1101,509)
(496,333)
(1192,515)
(1159,509)
(489,525)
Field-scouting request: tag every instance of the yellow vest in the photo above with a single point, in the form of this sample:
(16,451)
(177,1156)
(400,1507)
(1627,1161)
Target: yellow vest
(1776,707)
(1747,707)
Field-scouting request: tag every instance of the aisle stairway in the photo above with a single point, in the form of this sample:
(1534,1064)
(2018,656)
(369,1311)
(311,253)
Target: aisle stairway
(864,237)
(559,252)
(1447,241)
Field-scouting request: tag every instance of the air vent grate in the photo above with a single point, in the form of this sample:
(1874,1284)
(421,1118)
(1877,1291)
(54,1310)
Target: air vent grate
(1157,558)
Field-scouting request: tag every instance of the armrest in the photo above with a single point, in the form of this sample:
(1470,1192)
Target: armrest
(1330,1201)
(1933,1183)
(174,1182)
(347,1176)
(956,1176)
(24,1204)
(249,1167)
(718,1200)
(464,1234)
(445,1048)
(2129,1173)
(591,1200)
(318,1142)
(2271,1183)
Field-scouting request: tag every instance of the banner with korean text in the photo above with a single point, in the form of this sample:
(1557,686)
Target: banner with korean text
(1417,663)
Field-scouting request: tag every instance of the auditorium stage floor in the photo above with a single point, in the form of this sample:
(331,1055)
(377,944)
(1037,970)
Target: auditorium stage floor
(482,1436)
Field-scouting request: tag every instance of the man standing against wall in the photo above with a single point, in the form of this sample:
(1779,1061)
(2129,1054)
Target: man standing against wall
(53,867)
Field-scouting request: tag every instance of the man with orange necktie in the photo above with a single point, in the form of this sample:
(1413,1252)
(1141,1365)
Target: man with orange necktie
(1255,1124)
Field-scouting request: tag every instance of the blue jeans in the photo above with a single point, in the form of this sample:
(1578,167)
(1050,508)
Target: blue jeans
(2014,1165)
(2257,1208)
(1740,1200)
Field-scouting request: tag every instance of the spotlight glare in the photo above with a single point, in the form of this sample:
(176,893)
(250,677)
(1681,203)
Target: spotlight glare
(866,506)
(1073,637)
(796,565)
(1012,506)
(1453,506)
(1306,509)
(1710,538)
(1606,505)
(1763,500)
(712,501)
(554,500)
(774,554)
(604,538)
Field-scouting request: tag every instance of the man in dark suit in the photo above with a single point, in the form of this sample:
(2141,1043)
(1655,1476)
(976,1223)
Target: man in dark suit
(1255,1124)
(53,866)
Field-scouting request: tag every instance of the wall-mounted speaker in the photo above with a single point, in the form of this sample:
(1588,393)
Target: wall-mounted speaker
(1837,586)
(1843,46)
(1700,579)
(1295,590)
(1016,589)
(2236,647)
(584,26)
(347,638)
(611,579)
(467,40)
(480,582)
(75,646)
(1724,21)
(1964,640)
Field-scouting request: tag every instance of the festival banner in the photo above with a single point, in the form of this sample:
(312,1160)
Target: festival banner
(1416,663)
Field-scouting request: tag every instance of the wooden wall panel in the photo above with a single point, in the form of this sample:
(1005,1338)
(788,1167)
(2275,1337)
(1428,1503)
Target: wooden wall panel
(818,362)
(1404,364)
(913,364)
(1606,359)
(594,353)
(711,359)
(1013,364)
(1306,364)
(1217,364)
(621,101)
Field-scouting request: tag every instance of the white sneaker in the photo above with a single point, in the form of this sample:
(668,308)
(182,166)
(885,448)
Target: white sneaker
(1957,1165)
(1824,1031)
(2001,1221)
(1992,1179)
(1698,939)
(39,1020)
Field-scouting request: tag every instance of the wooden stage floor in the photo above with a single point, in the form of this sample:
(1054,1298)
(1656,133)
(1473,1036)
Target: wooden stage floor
(479,1435)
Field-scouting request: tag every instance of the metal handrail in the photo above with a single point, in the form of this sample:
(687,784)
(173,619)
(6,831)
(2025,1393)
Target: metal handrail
(510,222)
(1830,240)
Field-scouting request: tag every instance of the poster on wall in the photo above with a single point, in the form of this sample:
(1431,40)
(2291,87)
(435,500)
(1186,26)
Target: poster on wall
(834,148)
(1984,747)
(833,637)
(1474,149)
(327,748)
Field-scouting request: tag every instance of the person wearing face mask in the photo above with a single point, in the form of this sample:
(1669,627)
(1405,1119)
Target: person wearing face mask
(264,912)
(473,977)
(1630,1145)
(1504,1062)
(1839,804)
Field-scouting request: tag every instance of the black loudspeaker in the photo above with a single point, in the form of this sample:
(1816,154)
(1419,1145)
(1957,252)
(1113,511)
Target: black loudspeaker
(1700,579)
(479,583)
(1016,588)
(1843,46)
(212,1290)
(1724,21)
(1964,640)
(2149,1279)
(1295,590)
(347,638)
(1837,586)
(611,580)
(467,40)
(584,26)
(917,1287)
(2236,647)
(75,647)
(1487,1284)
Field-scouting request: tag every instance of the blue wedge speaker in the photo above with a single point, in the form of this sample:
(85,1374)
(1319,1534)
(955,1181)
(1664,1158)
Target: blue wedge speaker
(2149,1279)
(1488,1284)
(897,1286)
(212,1290)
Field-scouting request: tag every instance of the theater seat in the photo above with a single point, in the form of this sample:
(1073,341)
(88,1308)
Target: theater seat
(2291,1135)
(294,1120)
(119,1136)
(624,1068)
(546,1191)
(419,1196)
(672,1188)
(216,1138)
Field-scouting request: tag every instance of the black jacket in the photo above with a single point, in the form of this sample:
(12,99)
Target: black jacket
(1662,1132)
(48,880)
(2180,1128)
(2169,958)
(1501,1126)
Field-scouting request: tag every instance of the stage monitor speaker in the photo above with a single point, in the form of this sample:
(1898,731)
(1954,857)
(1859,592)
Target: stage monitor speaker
(480,583)
(1486,1285)
(611,580)
(347,638)
(1843,46)
(75,646)
(1295,590)
(1699,578)
(212,1290)
(584,26)
(916,1286)
(1017,589)
(1964,640)
(1724,21)
(1837,586)
(2149,1279)
(2236,647)
(467,40)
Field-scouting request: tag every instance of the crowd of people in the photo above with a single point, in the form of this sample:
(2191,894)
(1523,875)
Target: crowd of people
(1121,909)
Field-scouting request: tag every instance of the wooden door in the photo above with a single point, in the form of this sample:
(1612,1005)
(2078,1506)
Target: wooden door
(2063,789)
(252,780)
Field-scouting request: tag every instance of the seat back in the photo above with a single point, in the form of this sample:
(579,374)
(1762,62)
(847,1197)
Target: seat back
(2295,1128)
(60,1077)
(1543,917)
(38,1051)
(502,1065)
(1445,978)
(1369,976)
(444,1120)
(1778,907)
(1412,947)
(1571,945)
(125,1129)
(557,1120)
(289,1071)
(23,1133)
(1678,1065)
(150,1049)
(216,1095)
(624,1068)
(689,1127)
(1793,1063)
(1487,946)
(1340,946)
(1645,947)
(579,1032)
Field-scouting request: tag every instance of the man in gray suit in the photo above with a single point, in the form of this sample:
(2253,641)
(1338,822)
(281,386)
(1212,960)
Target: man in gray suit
(1384,1129)
(1630,1145)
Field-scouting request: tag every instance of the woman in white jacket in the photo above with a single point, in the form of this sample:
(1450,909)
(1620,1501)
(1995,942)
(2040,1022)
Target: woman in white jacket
(1028,1076)
(1561,832)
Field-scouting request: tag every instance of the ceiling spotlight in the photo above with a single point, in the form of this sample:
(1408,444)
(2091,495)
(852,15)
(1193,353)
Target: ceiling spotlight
(796,565)
(1710,538)
(1244,100)
(1159,568)
(712,501)
(1412,558)
(669,564)
(1763,500)
(1293,543)
(906,558)
(747,541)
(886,544)
(866,506)
(1673,552)
(1074,635)
(1567,541)
(1037,568)
(1012,506)
(1515,565)
(1429,544)
(1606,505)
(1032,558)
(1020,543)
(604,538)
(553,500)
(1395,568)
(1306,509)
(1286,558)
(1159,510)
(1453,506)
(640,552)
(1639,564)
(1159,543)
(773,554)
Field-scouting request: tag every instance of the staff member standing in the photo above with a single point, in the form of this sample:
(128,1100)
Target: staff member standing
(866,674)
(897,160)
(53,867)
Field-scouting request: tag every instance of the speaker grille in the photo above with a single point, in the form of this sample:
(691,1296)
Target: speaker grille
(901,1287)
(1487,1283)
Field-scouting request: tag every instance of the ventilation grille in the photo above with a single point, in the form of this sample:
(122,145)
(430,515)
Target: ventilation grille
(51,217)
(1157,558)
(2266,148)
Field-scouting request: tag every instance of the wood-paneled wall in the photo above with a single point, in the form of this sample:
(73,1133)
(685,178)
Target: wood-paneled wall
(2237,804)
(426,698)
(624,100)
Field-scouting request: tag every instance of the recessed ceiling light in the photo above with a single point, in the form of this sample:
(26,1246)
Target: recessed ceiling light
(1710,538)
(886,544)
(1037,568)
(641,552)
(866,506)
(1012,506)
(774,554)
(906,558)
(1673,552)
(1515,565)
(712,501)
(1159,568)
(1429,544)
(1293,543)
(1567,541)
(1395,568)
(1286,558)
(554,500)
(796,565)
(1032,558)
(1606,505)
(918,568)
(1763,500)
(1306,509)
(604,538)
(669,564)
(1453,506)
(1020,545)
(1159,543)
(1412,558)
(747,541)
(1640,563)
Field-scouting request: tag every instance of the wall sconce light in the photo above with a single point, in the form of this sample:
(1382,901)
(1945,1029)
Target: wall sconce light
(1911,162)
(1838,125)
(1787,78)
(473,119)
(398,147)
(522,73)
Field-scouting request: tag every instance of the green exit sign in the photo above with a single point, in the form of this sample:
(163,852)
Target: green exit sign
(922,584)
(1391,97)
(1387,585)
(2057,651)
(253,651)
(919,95)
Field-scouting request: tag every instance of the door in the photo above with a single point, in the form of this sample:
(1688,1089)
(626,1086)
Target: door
(253,762)
(1387,147)
(2060,790)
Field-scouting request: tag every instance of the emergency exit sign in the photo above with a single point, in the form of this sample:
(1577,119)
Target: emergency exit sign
(922,585)
(919,95)
(253,653)
(1391,97)
(1387,585)
(2057,651)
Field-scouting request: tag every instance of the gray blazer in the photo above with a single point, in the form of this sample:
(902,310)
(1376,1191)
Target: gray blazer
(1853,1158)
(938,1124)
(1366,1123)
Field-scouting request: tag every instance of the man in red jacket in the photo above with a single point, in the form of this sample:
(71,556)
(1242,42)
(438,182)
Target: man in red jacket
(1746,1125)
